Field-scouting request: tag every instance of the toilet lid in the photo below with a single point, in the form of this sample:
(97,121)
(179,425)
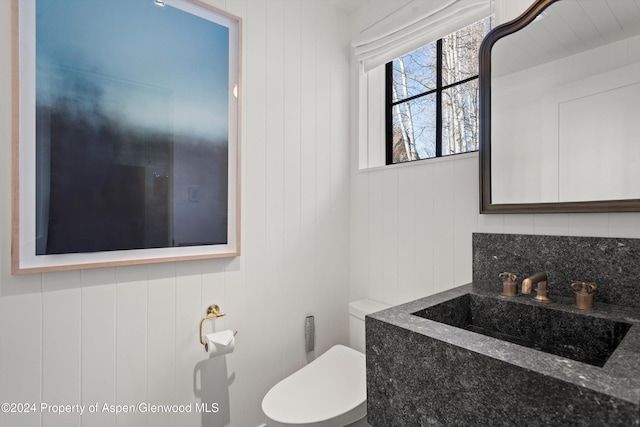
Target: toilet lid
(332,386)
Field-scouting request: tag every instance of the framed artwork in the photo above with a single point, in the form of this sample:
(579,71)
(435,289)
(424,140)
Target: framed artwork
(125,133)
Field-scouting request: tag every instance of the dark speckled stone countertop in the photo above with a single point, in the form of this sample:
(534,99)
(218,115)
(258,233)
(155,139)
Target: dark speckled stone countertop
(428,365)
(615,386)
(620,377)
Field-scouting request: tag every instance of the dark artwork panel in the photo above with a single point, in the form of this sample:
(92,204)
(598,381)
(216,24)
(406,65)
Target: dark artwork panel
(132,148)
(97,203)
(97,213)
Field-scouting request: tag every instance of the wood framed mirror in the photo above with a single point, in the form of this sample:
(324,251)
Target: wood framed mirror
(558,91)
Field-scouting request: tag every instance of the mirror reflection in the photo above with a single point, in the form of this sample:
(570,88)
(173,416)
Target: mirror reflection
(564,105)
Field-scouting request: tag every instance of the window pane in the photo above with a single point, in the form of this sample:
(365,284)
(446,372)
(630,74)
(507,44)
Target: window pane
(460,118)
(414,73)
(414,129)
(460,52)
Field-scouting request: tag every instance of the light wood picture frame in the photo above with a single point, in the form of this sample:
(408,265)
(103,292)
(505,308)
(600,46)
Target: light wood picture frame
(125,133)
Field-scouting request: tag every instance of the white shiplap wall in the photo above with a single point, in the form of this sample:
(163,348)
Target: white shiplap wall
(129,335)
(411,225)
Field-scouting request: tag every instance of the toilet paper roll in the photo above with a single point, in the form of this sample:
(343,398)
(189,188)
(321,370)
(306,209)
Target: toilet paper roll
(221,342)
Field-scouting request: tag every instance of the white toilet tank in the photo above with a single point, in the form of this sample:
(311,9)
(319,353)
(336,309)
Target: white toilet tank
(357,311)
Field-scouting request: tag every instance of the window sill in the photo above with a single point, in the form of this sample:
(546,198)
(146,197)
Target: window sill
(425,162)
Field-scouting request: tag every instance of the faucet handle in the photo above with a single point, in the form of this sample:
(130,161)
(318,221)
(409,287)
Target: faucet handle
(509,285)
(584,294)
(508,276)
(584,287)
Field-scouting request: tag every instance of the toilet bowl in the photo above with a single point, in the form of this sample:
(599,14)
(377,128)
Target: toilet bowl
(331,391)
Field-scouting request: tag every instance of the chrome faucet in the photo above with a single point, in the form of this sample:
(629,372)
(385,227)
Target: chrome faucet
(540,280)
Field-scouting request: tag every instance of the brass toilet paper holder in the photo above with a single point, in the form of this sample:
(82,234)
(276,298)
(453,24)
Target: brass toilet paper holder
(213,312)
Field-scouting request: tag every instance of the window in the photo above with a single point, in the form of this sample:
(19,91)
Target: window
(432,97)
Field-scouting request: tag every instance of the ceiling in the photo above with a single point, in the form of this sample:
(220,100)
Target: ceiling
(349,6)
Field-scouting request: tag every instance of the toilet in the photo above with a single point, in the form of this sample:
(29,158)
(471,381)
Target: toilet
(331,391)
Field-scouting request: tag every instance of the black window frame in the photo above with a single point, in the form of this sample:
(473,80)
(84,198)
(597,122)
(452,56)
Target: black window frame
(439,90)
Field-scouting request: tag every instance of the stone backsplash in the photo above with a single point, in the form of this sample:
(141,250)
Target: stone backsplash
(612,263)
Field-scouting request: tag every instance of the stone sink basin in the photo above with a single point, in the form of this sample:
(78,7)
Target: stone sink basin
(466,358)
(576,336)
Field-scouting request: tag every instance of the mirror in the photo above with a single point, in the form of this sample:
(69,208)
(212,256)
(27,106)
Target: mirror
(559,90)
